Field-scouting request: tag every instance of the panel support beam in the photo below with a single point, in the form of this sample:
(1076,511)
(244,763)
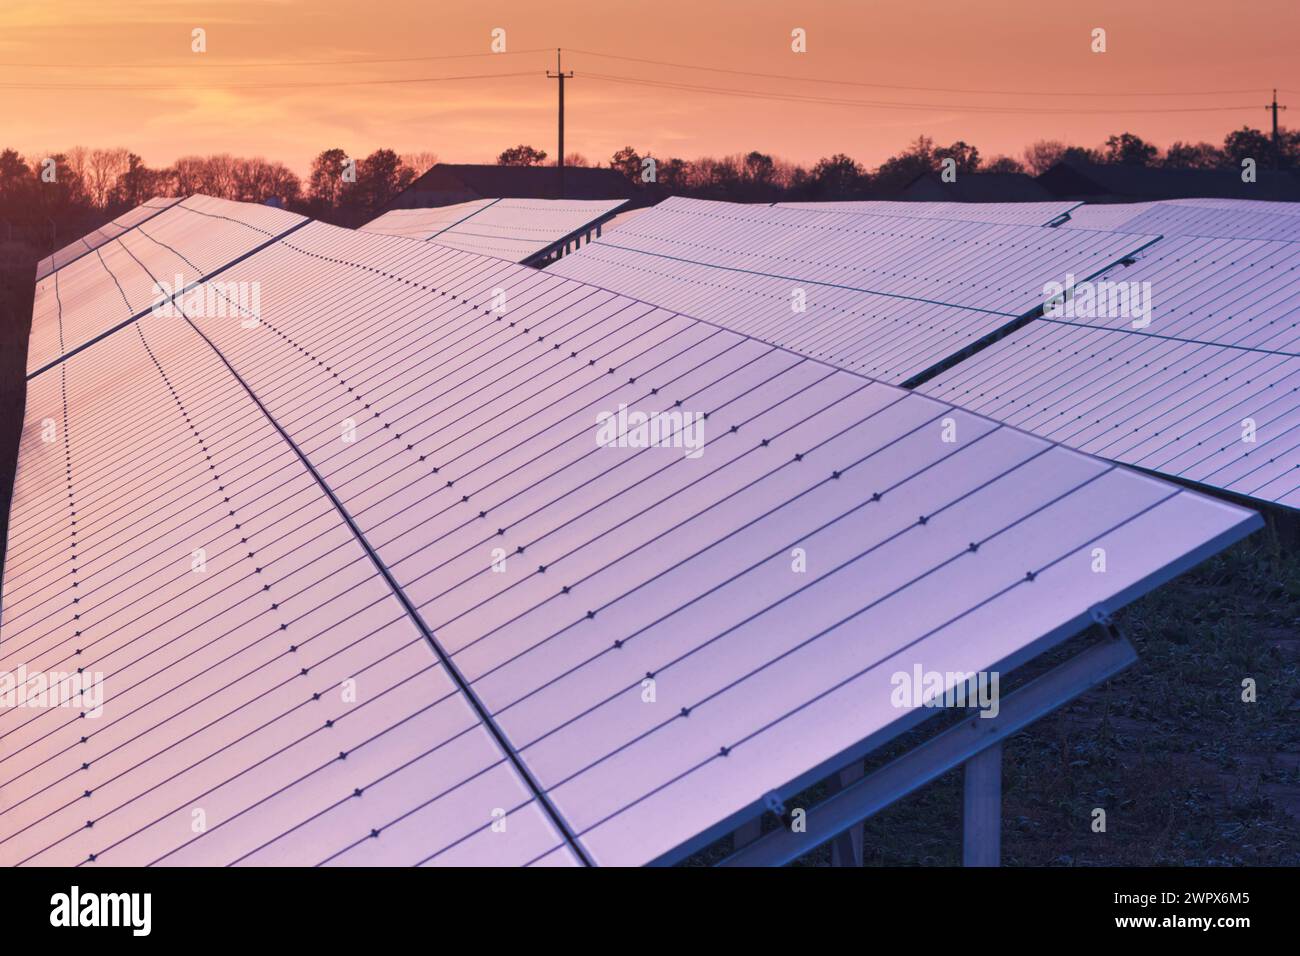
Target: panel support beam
(846,849)
(981,821)
(946,751)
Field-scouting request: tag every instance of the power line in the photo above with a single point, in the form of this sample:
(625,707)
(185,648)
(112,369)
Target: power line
(914,89)
(210,65)
(895,105)
(260,86)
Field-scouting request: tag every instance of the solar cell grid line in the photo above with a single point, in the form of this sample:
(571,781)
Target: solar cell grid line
(411,668)
(517,230)
(97,386)
(145,682)
(1183,405)
(1103,216)
(727,750)
(520,774)
(884,338)
(958,555)
(182,243)
(134,464)
(607,476)
(709,546)
(360,392)
(123,223)
(1014,213)
(1201,218)
(256,699)
(1243,205)
(511,609)
(162,501)
(1227,291)
(970,280)
(1171,220)
(477,490)
(344,482)
(79,247)
(86,303)
(122,463)
(423,223)
(927,260)
(1203,391)
(91,592)
(83,597)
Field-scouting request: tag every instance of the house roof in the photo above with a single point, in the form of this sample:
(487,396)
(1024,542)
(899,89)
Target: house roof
(978,187)
(1069,179)
(461,182)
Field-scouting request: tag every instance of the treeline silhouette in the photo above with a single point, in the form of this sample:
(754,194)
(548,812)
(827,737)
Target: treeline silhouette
(52,199)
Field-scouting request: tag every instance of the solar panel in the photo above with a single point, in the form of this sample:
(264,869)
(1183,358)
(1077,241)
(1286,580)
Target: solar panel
(518,230)
(128,274)
(1006,213)
(1207,391)
(1224,219)
(111,230)
(226,697)
(890,298)
(1106,216)
(1242,205)
(652,639)
(423,223)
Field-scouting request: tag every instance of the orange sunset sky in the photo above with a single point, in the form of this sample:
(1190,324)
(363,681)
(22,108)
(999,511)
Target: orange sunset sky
(280,78)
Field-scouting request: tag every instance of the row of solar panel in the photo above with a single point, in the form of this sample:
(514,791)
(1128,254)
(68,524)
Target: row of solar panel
(89,243)
(517,230)
(1173,345)
(366,581)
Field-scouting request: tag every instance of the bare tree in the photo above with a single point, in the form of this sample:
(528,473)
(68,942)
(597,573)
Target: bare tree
(104,168)
(1043,155)
(421,162)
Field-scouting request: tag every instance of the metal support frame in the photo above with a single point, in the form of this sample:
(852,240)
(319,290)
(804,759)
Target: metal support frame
(975,742)
(846,849)
(981,806)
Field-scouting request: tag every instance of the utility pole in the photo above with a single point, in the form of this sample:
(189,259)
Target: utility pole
(560,75)
(1277,148)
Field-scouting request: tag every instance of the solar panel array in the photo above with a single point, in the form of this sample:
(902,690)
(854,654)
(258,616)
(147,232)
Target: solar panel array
(423,223)
(518,230)
(1006,213)
(1223,219)
(88,243)
(1208,390)
(366,585)
(888,297)
(130,273)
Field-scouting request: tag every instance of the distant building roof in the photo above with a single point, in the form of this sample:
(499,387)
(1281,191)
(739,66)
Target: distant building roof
(449,183)
(977,187)
(1119,182)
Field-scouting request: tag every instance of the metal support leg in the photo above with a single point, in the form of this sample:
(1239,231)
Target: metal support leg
(846,849)
(982,809)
